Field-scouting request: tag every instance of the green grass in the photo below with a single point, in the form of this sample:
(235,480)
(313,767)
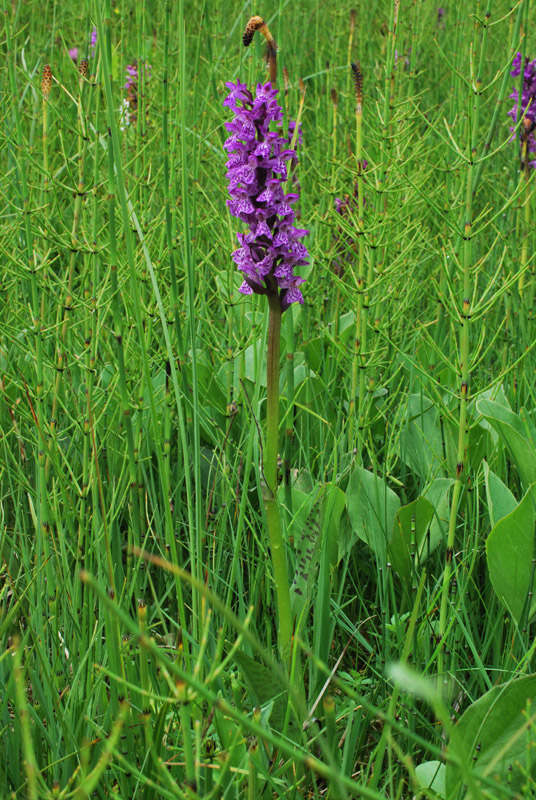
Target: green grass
(138,624)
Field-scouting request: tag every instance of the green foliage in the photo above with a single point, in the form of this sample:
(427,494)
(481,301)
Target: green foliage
(494,731)
(133,404)
(510,553)
(407,547)
(516,433)
(372,507)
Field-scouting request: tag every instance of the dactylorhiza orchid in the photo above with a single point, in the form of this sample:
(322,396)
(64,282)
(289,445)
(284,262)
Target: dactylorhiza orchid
(259,161)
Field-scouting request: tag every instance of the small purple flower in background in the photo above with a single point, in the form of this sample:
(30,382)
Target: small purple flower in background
(259,163)
(130,105)
(528,103)
(73,52)
(93,41)
(132,72)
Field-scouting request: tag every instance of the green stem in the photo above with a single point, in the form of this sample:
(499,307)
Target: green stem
(358,357)
(275,534)
(289,430)
(464,311)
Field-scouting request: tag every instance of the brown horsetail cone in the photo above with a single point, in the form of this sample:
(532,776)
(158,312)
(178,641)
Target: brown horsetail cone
(83,67)
(254,24)
(358,83)
(334,97)
(257,23)
(46,84)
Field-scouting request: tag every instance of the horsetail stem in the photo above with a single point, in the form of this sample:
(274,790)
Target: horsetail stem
(464,311)
(68,309)
(359,356)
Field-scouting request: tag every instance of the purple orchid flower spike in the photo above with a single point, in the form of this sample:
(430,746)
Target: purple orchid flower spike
(528,103)
(259,163)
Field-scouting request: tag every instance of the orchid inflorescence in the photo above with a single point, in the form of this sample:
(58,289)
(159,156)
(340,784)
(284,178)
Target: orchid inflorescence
(260,160)
(528,103)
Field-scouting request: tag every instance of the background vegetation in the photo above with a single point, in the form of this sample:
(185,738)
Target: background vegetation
(137,613)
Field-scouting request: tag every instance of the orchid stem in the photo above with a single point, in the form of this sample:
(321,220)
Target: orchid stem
(275,534)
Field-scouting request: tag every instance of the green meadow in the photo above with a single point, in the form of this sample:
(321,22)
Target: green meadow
(250,549)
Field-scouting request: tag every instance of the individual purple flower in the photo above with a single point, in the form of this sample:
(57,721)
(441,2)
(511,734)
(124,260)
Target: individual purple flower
(74,51)
(260,161)
(133,76)
(93,41)
(132,72)
(528,103)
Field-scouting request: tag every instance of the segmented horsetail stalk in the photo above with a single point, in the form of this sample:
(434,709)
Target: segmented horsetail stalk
(46,86)
(68,303)
(464,310)
(359,358)
(335,104)
(257,23)
(351,31)
(286,80)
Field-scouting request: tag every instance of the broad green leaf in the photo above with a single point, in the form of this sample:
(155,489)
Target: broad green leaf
(493,731)
(315,516)
(231,738)
(497,395)
(501,501)
(431,775)
(420,441)
(509,551)
(304,529)
(334,503)
(529,426)
(265,686)
(438,495)
(313,353)
(515,435)
(372,506)
(346,326)
(409,529)
(255,362)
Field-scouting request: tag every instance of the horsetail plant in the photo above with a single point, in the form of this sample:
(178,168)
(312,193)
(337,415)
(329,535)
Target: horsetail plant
(359,358)
(464,311)
(258,165)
